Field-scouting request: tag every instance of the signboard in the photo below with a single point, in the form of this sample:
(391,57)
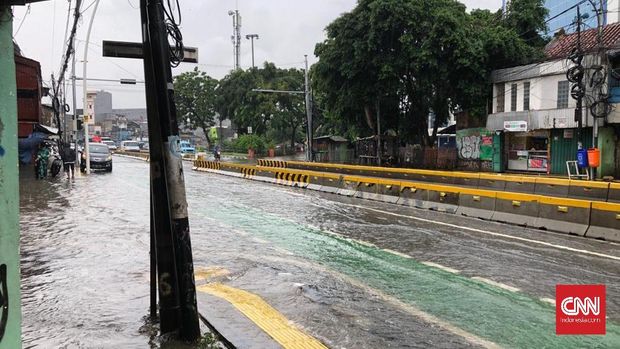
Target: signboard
(515,126)
(89,111)
(568,134)
(249,130)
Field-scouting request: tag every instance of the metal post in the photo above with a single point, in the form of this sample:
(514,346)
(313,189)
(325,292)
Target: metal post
(251,37)
(579,108)
(378,133)
(85,87)
(10,311)
(153,262)
(167,164)
(74,108)
(309,152)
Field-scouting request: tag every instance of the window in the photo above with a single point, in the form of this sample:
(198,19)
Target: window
(513,97)
(562,94)
(526,95)
(500,92)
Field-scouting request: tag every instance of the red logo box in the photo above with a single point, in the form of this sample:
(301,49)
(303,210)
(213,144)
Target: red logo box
(580,309)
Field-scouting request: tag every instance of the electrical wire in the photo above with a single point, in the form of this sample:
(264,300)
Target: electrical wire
(22,21)
(174,33)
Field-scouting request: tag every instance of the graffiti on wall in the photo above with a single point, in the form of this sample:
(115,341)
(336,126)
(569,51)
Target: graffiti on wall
(474,144)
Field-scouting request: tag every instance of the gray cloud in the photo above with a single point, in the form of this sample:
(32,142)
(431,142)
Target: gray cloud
(288,29)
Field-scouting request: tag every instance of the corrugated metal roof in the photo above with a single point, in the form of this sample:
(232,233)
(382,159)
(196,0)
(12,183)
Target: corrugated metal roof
(561,47)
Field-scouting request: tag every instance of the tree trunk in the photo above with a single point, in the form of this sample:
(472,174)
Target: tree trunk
(205,129)
(293,137)
(370,120)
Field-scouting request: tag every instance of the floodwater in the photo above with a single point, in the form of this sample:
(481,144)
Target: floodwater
(354,274)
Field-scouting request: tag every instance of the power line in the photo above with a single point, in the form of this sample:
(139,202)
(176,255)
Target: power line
(22,21)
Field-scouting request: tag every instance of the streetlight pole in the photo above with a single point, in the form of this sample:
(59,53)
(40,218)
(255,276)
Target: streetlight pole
(309,155)
(85,87)
(252,37)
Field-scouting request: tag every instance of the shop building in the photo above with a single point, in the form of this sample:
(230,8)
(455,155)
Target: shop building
(533,112)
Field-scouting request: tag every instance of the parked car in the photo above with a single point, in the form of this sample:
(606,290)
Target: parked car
(100,158)
(130,146)
(110,145)
(187,148)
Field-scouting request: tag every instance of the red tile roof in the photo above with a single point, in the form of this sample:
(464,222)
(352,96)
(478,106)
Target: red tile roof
(561,47)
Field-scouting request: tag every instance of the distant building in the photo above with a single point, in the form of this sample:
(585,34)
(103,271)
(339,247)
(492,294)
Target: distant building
(103,105)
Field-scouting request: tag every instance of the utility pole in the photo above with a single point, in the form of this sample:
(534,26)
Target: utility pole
(177,290)
(601,58)
(236,37)
(252,37)
(85,87)
(76,14)
(309,152)
(378,132)
(10,304)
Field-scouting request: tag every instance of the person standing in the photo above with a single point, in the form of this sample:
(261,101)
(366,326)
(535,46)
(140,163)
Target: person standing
(43,155)
(68,160)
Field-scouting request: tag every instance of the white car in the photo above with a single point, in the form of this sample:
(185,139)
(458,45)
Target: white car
(111,145)
(130,146)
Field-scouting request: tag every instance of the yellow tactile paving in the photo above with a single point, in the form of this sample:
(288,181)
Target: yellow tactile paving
(210,272)
(264,316)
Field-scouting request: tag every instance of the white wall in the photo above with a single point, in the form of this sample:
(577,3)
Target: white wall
(613,11)
(543,89)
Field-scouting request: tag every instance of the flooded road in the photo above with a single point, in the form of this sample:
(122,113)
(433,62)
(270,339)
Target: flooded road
(351,273)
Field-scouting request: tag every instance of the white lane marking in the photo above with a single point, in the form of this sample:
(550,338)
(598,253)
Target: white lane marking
(496,284)
(548,244)
(411,309)
(439,266)
(548,300)
(400,254)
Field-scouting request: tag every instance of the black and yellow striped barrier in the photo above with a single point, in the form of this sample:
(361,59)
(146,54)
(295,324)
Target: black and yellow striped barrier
(271,163)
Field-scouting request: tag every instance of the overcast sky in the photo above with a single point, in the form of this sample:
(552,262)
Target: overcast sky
(288,29)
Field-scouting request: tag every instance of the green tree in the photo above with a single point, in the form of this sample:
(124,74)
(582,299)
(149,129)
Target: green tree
(411,58)
(195,97)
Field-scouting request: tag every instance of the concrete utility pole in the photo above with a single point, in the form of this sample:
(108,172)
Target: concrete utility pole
(252,37)
(175,268)
(10,311)
(73,89)
(85,87)
(236,37)
(309,152)
(378,132)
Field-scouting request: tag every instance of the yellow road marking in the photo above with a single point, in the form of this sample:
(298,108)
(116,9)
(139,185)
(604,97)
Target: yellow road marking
(209,273)
(264,316)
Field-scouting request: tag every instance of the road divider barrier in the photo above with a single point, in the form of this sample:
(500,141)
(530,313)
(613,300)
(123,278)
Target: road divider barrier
(539,209)
(605,221)
(271,163)
(516,208)
(591,190)
(570,216)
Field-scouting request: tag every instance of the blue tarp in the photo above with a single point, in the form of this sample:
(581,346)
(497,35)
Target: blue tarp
(27,146)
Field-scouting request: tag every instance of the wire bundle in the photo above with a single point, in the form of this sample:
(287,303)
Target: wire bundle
(174,33)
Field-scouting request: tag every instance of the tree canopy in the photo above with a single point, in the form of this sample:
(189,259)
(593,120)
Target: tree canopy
(195,98)
(410,58)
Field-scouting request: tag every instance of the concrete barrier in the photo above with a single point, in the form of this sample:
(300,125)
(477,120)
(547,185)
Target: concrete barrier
(477,203)
(516,208)
(378,189)
(413,194)
(552,186)
(519,184)
(570,216)
(326,182)
(605,221)
(614,192)
(588,190)
(349,187)
(491,181)
(443,198)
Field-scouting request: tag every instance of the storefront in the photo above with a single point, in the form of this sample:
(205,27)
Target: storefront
(528,151)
